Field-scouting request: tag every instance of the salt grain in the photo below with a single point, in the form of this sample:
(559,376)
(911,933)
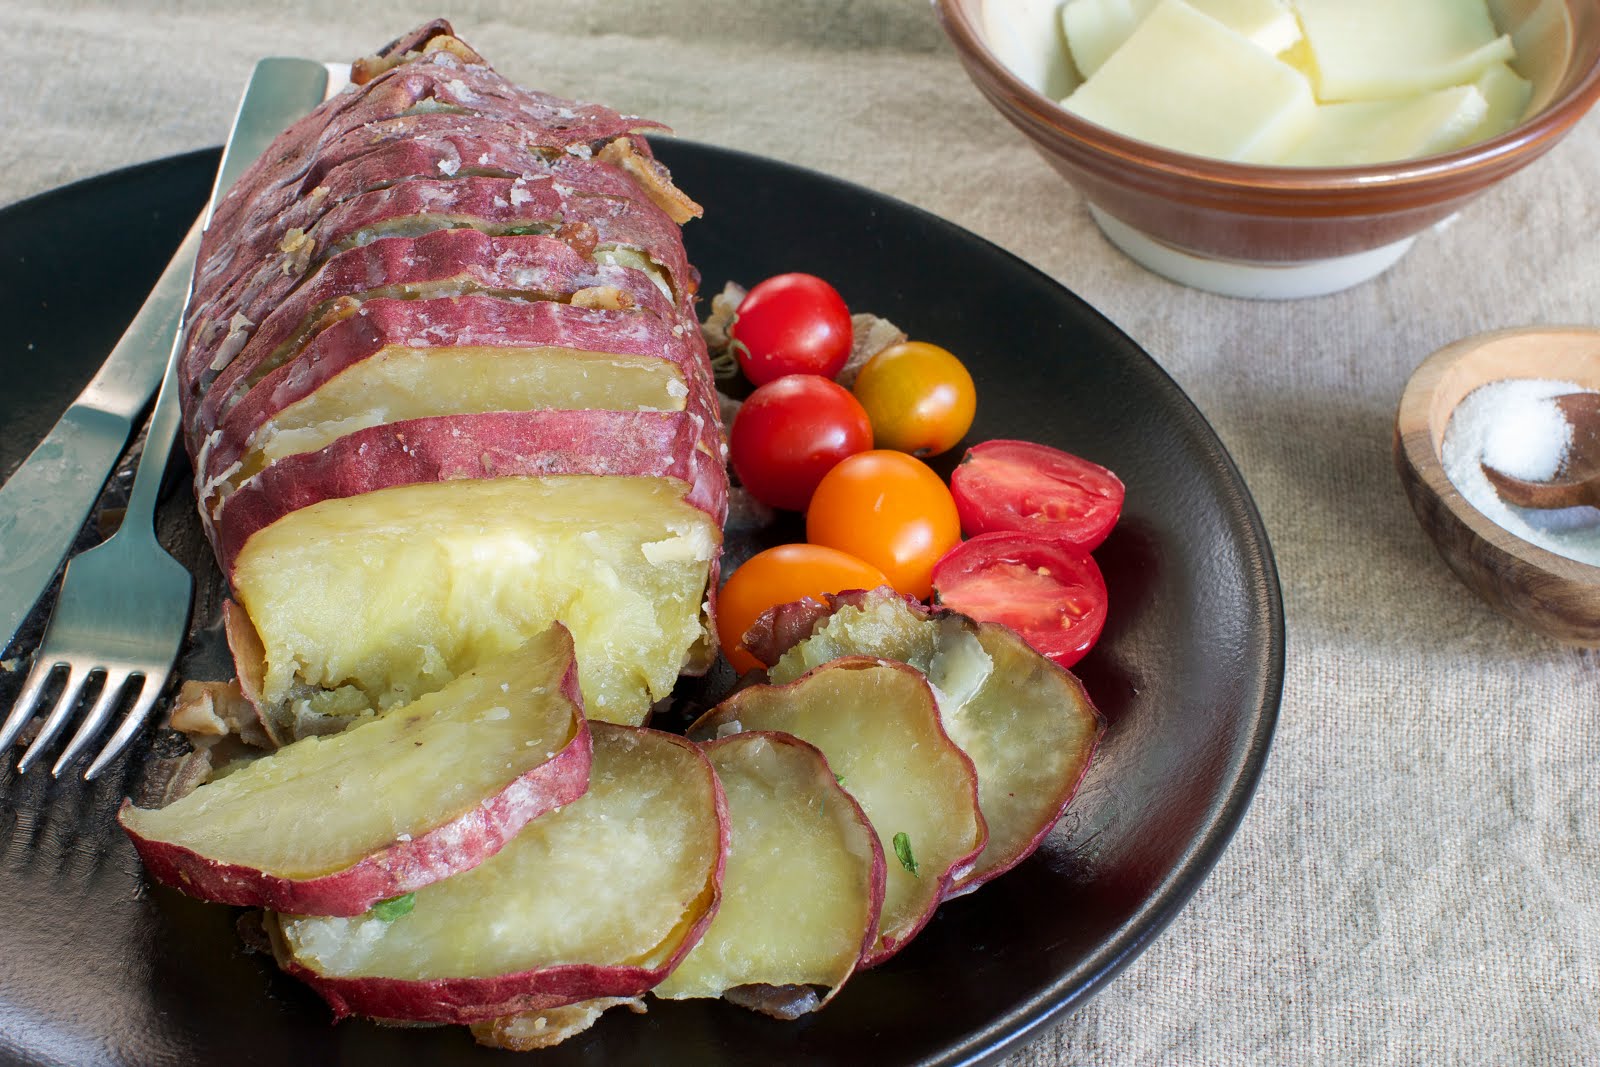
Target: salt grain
(1514,426)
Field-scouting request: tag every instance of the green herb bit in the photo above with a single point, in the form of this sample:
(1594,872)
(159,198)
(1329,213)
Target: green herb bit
(902,852)
(390,910)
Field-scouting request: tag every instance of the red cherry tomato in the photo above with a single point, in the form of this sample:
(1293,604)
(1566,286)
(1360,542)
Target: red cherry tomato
(778,576)
(890,509)
(791,432)
(791,324)
(1049,592)
(1018,485)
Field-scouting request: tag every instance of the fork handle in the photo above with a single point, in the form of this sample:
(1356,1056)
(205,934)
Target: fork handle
(140,513)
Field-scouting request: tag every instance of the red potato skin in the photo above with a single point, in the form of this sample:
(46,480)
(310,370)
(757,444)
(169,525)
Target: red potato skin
(469,1000)
(483,202)
(467,321)
(488,165)
(880,868)
(470,259)
(452,847)
(288,169)
(670,444)
(875,954)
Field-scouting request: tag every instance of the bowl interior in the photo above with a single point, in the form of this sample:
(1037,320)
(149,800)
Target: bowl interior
(1557,43)
(1569,355)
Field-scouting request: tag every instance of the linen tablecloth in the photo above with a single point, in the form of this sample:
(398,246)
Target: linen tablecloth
(1418,880)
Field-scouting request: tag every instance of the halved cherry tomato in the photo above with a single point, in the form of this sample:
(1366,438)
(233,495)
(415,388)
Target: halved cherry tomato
(1049,592)
(919,397)
(891,510)
(791,324)
(1019,485)
(777,576)
(791,432)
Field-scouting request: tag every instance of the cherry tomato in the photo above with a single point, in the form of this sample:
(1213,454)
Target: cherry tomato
(1018,485)
(919,397)
(791,324)
(777,576)
(1049,592)
(890,509)
(791,432)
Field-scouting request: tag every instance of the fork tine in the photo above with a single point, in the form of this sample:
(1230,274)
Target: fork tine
(58,717)
(23,709)
(153,685)
(116,683)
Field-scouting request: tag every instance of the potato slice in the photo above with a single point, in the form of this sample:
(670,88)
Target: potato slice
(805,877)
(402,555)
(408,359)
(1027,724)
(878,725)
(598,900)
(332,825)
(435,265)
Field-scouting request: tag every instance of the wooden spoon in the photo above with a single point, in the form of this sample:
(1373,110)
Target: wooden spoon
(1577,480)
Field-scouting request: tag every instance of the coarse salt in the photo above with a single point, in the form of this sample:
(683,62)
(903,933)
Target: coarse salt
(1514,427)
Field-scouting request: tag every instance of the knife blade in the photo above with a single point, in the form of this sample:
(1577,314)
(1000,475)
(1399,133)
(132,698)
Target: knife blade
(46,501)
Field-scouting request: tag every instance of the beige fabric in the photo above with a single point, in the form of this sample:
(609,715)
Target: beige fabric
(1418,881)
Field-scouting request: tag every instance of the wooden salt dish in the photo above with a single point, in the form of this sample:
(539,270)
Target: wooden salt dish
(1548,593)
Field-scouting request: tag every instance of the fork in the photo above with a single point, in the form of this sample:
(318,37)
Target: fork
(123,611)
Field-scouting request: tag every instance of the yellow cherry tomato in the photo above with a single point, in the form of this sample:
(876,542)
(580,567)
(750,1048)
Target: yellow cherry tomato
(778,576)
(918,396)
(889,509)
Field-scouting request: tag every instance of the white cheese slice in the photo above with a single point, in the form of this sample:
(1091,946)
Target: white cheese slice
(1373,49)
(1025,35)
(1355,132)
(1096,28)
(1508,95)
(1185,81)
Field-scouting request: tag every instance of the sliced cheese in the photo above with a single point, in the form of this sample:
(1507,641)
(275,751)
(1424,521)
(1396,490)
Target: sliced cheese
(1163,86)
(1372,49)
(1095,29)
(1026,37)
(1375,131)
(1508,95)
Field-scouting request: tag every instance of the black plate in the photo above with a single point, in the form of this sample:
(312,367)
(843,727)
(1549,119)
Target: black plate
(98,967)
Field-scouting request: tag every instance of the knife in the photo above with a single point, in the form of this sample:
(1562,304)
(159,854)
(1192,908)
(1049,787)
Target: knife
(46,501)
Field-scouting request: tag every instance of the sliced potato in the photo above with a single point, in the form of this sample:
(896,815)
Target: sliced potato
(373,600)
(332,825)
(1027,724)
(409,359)
(878,725)
(600,899)
(805,877)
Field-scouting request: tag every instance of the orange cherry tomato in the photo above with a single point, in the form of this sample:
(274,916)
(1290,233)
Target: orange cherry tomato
(919,397)
(889,509)
(777,576)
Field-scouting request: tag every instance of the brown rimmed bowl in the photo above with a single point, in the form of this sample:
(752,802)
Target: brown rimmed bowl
(1275,232)
(1546,592)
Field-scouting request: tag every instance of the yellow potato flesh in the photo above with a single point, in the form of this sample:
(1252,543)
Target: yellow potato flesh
(399,383)
(797,894)
(378,598)
(879,729)
(613,879)
(323,804)
(1025,726)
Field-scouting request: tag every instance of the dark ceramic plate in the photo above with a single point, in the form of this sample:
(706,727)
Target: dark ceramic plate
(96,966)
